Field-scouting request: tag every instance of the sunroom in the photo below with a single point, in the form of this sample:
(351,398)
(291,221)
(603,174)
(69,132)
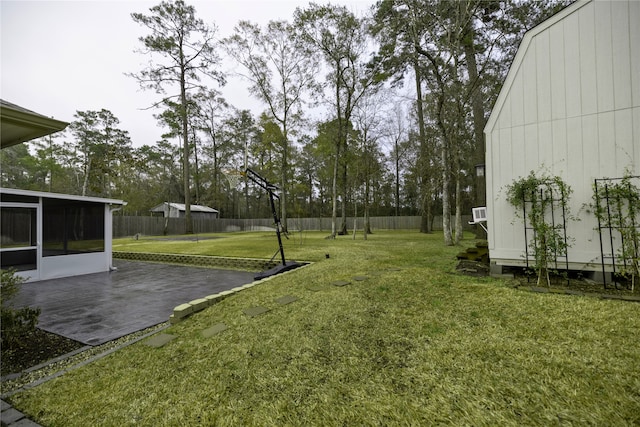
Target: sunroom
(50,235)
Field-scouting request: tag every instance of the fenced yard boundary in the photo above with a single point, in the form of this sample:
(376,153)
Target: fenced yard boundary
(125,226)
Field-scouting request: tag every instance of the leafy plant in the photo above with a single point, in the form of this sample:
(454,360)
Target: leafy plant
(16,322)
(537,197)
(617,207)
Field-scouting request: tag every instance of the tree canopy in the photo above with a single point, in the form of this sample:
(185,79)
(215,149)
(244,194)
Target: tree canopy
(373,114)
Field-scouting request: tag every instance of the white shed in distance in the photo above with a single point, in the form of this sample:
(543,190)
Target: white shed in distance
(177,210)
(569,107)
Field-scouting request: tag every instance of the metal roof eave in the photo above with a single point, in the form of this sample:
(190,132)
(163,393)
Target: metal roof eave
(21,125)
(61,196)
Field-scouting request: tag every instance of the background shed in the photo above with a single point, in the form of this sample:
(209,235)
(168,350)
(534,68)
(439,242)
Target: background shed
(570,106)
(177,210)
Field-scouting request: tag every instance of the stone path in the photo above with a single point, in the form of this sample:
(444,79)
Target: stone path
(11,417)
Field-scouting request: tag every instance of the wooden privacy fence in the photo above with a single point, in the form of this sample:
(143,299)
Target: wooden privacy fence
(126,226)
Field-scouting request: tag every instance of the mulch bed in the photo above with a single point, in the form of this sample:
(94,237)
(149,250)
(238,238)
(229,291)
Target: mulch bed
(574,283)
(559,284)
(35,348)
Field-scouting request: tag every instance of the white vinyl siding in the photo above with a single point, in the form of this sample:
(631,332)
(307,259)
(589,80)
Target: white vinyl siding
(570,106)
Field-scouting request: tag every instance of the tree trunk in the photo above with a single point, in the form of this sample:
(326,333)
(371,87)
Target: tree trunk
(446,175)
(478,111)
(458,224)
(246,178)
(334,191)
(188,226)
(285,167)
(423,159)
(343,206)
(355,222)
(397,189)
(216,168)
(446,199)
(336,163)
(367,224)
(197,175)
(50,162)
(85,183)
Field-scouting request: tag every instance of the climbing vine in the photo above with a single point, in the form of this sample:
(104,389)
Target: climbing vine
(617,207)
(535,198)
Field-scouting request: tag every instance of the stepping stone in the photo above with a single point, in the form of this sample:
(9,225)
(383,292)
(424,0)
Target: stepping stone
(255,311)
(340,283)
(287,299)
(11,417)
(159,340)
(214,330)
(315,288)
(360,278)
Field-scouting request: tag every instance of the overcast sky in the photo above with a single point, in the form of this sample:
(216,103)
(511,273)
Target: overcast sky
(58,57)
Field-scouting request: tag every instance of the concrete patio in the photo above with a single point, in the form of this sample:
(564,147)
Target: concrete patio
(97,308)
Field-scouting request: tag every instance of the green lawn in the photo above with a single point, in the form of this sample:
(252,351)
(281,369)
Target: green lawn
(413,344)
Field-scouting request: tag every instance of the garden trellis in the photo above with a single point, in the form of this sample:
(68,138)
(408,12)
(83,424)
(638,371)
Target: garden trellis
(543,201)
(617,203)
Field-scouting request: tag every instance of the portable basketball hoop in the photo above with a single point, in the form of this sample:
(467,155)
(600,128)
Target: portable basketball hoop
(233,177)
(271,190)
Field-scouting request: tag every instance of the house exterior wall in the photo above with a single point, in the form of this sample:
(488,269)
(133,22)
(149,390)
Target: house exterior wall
(570,107)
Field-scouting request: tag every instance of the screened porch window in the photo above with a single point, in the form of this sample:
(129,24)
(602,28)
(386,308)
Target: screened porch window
(72,227)
(18,238)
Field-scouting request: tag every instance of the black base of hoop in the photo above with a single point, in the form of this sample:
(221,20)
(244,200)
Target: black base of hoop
(290,265)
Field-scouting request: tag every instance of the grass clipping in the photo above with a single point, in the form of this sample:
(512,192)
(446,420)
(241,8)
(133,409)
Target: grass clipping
(419,345)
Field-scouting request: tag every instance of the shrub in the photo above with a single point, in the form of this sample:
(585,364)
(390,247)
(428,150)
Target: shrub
(16,322)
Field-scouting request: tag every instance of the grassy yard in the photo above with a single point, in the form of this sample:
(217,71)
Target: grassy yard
(413,344)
